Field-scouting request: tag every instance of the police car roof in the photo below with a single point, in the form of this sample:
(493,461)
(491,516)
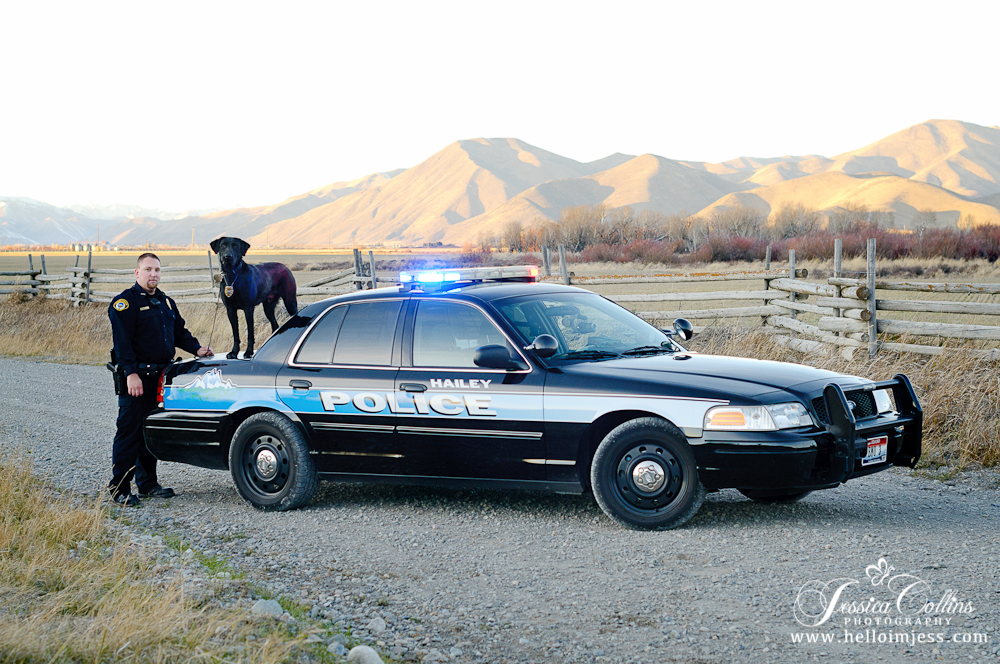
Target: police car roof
(483,291)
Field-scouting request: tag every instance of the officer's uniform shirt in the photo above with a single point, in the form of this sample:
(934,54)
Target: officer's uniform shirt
(146,329)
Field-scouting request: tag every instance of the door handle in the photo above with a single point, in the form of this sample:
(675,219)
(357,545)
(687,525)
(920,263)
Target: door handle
(300,384)
(413,387)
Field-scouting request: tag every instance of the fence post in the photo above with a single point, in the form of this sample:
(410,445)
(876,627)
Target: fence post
(547,261)
(791,275)
(371,264)
(31,265)
(562,264)
(872,323)
(838,252)
(90,256)
(358,272)
(767,282)
(43,285)
(74,299)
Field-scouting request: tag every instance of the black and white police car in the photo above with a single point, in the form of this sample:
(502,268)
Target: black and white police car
(486,377)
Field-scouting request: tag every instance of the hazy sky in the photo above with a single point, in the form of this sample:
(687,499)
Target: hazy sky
(201,104)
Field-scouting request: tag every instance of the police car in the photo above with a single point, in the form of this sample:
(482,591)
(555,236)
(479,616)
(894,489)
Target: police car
(487,377)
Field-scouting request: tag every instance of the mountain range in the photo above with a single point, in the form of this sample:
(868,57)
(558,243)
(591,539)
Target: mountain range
(473,186)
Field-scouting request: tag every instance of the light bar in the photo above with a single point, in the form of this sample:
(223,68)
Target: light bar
(442,278)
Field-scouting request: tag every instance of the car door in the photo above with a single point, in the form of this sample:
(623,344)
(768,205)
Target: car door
(339,381)
(455,419)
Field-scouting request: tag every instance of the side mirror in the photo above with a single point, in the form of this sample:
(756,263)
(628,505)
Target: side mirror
(683,329)
(544,345)
(495,357)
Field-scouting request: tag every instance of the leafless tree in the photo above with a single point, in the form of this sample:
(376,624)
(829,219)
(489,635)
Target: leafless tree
(792,219)
(739,221)
(512,236)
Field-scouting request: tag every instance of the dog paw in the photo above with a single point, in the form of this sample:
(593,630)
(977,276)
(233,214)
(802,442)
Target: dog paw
(247,354)
(232,355)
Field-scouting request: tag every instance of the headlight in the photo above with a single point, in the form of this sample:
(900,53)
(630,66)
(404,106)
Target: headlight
(757,418)
(882,401)
(790,415)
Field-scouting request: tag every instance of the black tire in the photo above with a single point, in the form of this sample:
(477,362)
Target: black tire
(667,501)
(774,495)
(270,463)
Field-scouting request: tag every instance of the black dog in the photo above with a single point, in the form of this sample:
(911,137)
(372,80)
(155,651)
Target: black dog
(244,286)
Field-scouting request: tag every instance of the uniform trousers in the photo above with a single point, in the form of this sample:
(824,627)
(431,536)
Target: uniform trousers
(129,456)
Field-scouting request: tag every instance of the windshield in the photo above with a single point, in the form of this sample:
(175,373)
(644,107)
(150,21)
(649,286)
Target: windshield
(587,326)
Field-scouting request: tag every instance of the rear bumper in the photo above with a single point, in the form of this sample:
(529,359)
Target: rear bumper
(814,458)
(191,437)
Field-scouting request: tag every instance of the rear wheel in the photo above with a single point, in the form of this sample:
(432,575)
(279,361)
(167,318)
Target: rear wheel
(774,495)
(644,475)
(270,463)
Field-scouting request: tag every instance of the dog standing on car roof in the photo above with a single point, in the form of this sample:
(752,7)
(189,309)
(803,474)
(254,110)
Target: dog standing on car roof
(244,286)
(146,327)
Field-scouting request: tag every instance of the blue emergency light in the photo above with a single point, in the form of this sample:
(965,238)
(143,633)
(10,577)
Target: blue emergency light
(439,279)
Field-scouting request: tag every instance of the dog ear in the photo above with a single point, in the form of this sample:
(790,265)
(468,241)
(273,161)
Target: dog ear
(214,244)
(244,246)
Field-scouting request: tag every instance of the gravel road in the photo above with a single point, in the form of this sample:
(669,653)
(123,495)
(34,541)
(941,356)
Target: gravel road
(503,576)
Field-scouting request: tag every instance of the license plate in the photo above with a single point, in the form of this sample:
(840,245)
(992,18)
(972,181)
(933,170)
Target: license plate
(877,449)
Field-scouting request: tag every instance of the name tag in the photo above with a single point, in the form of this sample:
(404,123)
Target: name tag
(143,308)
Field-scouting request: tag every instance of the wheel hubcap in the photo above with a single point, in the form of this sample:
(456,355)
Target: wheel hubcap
(649,477)
(267,464)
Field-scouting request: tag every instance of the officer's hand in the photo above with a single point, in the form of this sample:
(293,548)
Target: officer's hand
(205,351)
(134,385)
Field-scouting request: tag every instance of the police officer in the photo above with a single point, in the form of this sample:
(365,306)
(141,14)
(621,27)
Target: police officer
(146,327)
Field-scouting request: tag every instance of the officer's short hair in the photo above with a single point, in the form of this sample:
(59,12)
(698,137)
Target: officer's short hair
(148,254)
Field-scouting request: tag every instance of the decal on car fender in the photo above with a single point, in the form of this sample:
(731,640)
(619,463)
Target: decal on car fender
(210,380)
(404,403)
(460,384)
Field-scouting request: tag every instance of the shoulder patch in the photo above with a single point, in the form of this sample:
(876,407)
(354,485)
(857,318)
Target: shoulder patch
(121,304)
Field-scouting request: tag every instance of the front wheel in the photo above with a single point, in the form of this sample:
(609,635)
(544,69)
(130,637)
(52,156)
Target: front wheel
(270,463)
(644,475)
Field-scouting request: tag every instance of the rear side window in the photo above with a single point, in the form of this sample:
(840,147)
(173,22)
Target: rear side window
(366,334)
(318,346)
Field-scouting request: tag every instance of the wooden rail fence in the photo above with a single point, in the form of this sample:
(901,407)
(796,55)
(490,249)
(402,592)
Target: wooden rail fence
(818,316)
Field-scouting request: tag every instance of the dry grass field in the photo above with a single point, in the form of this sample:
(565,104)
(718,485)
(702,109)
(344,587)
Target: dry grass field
(960,393)
(73,590)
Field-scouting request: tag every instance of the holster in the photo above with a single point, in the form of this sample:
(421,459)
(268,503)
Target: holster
(121,385)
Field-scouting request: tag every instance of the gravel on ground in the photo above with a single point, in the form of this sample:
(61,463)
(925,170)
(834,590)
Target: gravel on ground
(449,575)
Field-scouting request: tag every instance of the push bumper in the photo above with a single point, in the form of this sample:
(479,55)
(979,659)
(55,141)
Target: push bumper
(815,458)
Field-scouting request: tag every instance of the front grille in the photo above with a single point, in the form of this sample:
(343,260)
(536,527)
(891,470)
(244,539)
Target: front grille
(864,406)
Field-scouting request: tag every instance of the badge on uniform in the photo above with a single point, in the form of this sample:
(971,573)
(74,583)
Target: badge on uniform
(120,304)
(228,291)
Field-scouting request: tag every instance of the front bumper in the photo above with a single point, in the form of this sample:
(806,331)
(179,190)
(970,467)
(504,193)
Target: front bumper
(814,458)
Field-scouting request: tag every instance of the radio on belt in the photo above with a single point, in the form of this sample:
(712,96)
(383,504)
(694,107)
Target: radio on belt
(489,377)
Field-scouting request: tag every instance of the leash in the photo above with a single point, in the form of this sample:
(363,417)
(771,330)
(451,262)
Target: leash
(218,301)
(228,291)
(215,317)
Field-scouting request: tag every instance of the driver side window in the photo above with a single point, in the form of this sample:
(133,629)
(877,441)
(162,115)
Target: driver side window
(446,334)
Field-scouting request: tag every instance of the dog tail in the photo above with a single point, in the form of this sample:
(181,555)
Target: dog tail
(291,305)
